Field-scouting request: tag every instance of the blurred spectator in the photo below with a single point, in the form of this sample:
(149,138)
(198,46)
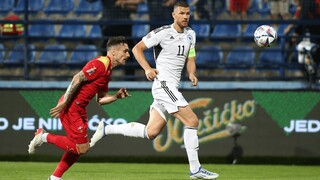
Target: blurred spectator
(208,9)
(310,10)
(160,12)
(279,9)
(296,16)
(12,29)
(309,47)
(117,11)
(239,6)
(204,9)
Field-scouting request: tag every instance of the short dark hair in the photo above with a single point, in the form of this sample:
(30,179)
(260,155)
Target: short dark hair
(180,4)
(116,40)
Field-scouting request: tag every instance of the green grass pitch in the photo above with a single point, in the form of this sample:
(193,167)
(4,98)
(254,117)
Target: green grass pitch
(126,171)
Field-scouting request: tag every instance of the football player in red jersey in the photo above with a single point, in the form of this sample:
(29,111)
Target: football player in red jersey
(71,109)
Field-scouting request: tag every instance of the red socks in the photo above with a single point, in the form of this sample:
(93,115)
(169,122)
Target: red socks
(69,157)
(67,160)
(63,143)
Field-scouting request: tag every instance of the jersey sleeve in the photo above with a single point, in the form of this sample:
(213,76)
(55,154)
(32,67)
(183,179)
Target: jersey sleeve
(93,69)
(153,38)
(193,44)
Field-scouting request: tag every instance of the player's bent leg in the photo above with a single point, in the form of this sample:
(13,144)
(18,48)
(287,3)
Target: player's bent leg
(99,134)
(203,174)
(36,141)
(155,124)
(83,148)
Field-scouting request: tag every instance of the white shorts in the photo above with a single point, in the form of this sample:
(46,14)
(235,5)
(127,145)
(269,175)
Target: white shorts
(166,98)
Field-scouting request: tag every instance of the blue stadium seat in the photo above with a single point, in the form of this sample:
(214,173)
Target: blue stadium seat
(148,53)
(86,7)
(280,30)
(2,53)
(142,9)
(68,30)
(16,56)
(202,30)
(34,6)
(6,6)
(62,7)
(82,54)
(140,30)
(53,55)
(41,30)
(264,9)
(95,32)
(271,59)
(226,31)
(254,8)
(209,56)
(241,57)
(249,32)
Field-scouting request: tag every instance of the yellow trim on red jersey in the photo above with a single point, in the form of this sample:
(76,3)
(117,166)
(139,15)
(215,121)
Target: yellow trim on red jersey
(105,60)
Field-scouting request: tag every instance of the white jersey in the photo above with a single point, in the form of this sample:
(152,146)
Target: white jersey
(171,50)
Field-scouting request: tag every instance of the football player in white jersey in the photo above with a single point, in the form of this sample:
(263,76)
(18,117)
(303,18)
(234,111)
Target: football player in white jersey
(173,45)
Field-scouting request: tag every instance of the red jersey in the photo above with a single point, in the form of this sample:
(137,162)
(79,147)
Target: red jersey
(97,72)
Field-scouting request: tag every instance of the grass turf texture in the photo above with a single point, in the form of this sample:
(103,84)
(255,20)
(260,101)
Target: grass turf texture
(125,171)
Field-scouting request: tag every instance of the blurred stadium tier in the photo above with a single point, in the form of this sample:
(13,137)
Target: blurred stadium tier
(74,23)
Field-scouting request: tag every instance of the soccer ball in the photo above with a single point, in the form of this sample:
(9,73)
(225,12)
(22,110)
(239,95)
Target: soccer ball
(265,36)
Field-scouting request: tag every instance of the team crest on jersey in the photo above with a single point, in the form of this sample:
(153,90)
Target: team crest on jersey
(91,70)
(189,38)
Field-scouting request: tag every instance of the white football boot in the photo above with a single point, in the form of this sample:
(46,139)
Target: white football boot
(36,141)
(203,174)
(100,133)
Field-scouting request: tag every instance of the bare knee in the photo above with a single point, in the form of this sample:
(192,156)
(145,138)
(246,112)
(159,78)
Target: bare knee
(152,134)
(193,122)
(83,148)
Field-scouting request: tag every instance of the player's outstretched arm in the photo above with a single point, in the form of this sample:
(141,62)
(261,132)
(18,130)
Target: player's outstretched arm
(105,98)
(137,51)
(191,68)
(72,89)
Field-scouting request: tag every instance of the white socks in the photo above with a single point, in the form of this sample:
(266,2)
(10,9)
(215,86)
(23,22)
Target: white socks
(132,129)
(191,144)
(44,137)
(52,177)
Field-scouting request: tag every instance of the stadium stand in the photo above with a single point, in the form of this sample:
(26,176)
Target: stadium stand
(2,53)
(223,34)
(88,8)
(82,54)
(34,6)
(68,30)
(42,30)
(149,56)
(209,56)
(202,30)
(271,59)
(95,32)
(16,56)
(62,7)
(52,55)
(142,9)
(226,31)
(138,31)
(6,7)
(240,57)
(249,31)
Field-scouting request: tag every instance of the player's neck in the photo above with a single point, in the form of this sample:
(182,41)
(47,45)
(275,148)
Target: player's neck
(112,63)
(178,28)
